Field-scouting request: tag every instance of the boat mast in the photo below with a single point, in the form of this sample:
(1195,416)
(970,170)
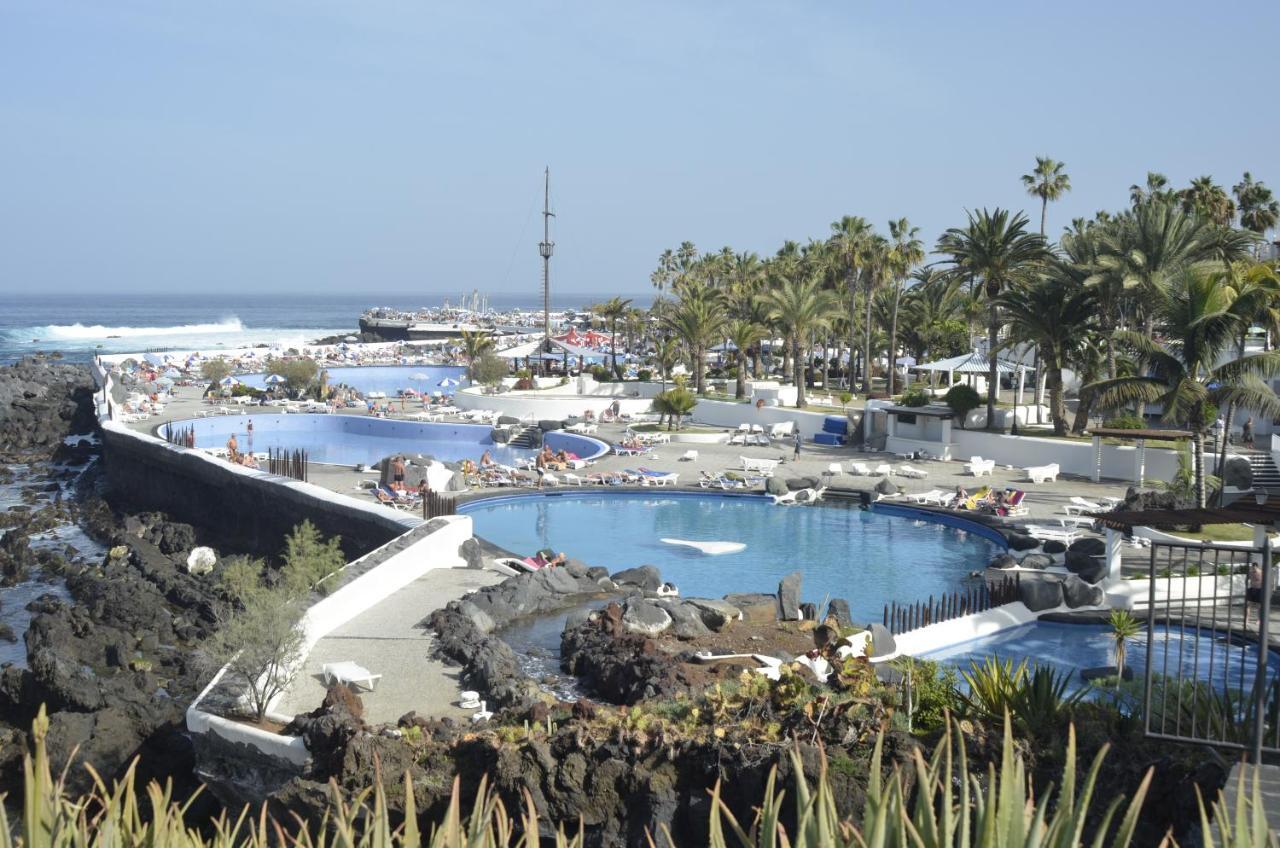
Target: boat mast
(545,248)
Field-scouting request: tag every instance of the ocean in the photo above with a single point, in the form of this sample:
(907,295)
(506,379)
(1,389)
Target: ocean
(80,326)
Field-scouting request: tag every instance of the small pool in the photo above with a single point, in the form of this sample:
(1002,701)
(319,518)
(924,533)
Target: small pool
(388,379)
(866,557)
(1071,648)
(359,439)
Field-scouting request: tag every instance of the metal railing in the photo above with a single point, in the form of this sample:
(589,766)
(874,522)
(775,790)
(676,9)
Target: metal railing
(1207,676)
(899,618)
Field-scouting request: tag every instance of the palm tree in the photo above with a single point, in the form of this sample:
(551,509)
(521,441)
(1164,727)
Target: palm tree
(801,306)
(611,310)
(1156,189)
(1208,199)
(666,353)
(848,240)
(1053,313)
(996,249)
(1259,210)
(1123,628)
(1048,182)
(905,252)
(1192,370)
(743,335)
(474,344)
(696,320)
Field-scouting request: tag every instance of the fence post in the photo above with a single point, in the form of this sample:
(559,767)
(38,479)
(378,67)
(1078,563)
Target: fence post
(1264,652)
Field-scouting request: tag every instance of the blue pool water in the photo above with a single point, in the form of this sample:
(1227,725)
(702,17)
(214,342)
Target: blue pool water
(354,439)
(389,379)
(867,558)
(1073,647)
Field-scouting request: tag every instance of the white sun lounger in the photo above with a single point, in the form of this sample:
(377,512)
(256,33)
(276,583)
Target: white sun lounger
(1065,535)
(860,468)
(1080,505)
(689,456)
(884,469)
(350,672)
(759,466)
(931,496)
(977,466)
(912,472)
(1043,473)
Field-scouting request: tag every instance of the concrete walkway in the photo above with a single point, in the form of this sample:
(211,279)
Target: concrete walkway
(390,640)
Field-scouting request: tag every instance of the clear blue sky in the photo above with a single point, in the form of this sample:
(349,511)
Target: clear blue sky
(399,146)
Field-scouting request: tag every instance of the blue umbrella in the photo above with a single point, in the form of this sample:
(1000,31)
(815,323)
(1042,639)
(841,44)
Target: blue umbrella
(449,381)
(228,381)
(274,380)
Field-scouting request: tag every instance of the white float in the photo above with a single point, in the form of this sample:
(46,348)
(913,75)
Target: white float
(709,548)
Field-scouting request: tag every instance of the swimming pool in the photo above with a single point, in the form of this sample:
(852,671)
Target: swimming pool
(1071,648)
(389,379)
(357,439)
(866,557)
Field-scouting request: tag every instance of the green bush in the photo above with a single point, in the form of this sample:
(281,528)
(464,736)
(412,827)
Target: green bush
(1125,421)
(914,396)
(488,369)
(644,375)
(299,373)
(962,400)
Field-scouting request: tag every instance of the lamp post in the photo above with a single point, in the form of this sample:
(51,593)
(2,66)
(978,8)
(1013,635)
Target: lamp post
(546,247)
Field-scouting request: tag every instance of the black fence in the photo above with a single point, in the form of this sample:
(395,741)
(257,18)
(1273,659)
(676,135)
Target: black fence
(899,618)
(184,436)
(1208,678)
(287,463)
(435,504)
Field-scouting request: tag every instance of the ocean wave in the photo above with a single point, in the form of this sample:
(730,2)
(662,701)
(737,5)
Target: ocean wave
(73,332)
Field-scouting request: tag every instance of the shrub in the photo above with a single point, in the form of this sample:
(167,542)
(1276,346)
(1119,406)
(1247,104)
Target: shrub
(215,369)
(675,402)
(914,396)
(1125,421)
(644,375)
(309,558)
(299,373)
(962,400)
(488,369)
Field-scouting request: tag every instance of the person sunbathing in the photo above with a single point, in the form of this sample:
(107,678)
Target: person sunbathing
(486,460)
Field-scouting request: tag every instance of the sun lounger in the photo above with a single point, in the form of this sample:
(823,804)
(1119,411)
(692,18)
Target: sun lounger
(759,466)
(1014,505)
(1065,535)
(572,479)
(883,470)
(931,496)
(649,477)
(689,456)
(1043,473)
(860,468)
(621,451)
(977,466)
(1080,505)
(350,673)
(912,472)
(782,430)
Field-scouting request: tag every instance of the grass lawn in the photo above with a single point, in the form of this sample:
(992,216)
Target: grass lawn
(1219,533)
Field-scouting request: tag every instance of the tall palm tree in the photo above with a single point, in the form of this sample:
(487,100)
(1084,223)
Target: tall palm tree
(905,252)
(612,310)
(848,240)
(996,249)
(1259,210)
(1208,199)
(697,320)
(1193,369)
(474,344)
(743,335)
(801,306)
(666,353)
(1156,189)
(1049,181)
(1053,313)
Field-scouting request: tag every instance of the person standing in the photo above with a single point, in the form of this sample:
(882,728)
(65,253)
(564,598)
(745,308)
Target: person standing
(798,441)
(1247,433)
(397,473)
(248,439)
(1219,431)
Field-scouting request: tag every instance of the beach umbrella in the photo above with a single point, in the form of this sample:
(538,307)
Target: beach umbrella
(274,380)
(449,381)
(164,382)
(228,381)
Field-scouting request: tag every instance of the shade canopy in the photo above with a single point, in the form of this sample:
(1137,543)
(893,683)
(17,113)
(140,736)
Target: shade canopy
(274,379)
(968,363)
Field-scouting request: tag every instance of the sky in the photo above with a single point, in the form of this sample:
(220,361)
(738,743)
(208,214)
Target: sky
(387,146)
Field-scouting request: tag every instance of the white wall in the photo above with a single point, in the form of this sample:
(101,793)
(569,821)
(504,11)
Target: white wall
(723,413)
(1073,457)
(553,406)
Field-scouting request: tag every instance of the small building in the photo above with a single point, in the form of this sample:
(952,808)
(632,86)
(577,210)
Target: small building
(919,429)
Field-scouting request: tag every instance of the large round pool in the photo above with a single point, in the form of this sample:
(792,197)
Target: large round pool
(869,558)
(359,439)
(388,379)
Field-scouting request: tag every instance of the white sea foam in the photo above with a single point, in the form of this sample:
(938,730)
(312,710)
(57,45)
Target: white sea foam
(81,332)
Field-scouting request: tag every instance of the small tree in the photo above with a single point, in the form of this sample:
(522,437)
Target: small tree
(675,403)
(215,369)
(488,369)
(260,644)
(299,373)
(1123,628)
(962,400)
(309,558)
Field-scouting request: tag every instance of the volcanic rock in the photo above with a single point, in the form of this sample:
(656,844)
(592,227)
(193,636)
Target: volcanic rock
(645,617)
(1038,595)
(645,577)
(789,597)
(715,614)
(838,609)
(755,607)
(1078,593)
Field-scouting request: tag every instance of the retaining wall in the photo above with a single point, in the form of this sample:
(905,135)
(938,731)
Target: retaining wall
(723,413)
(1073,457)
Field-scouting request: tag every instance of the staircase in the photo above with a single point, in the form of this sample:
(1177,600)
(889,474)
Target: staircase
(530,436)
(1265,473)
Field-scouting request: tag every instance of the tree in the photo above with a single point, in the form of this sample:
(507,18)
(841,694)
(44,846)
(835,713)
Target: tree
(800,305)
(1207,199)
(299,372)
(848,241)
(475,343)
(666,353)
(1193,371)
(742,335)
(962,399)
(260,643)
(611,310)
(1048,182)
(996,249)
(1259,210)
(215,370)
(905,252)
(488,369)
(696,320)
(1053,314)
(1155,190)
(676,403)
(309,557)
(1123,628)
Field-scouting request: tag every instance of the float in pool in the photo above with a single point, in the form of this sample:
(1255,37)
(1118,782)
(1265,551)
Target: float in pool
(867,557)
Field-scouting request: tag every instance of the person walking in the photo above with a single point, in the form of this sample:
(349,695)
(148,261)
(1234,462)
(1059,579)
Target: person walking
(1246,433)
(798,442)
